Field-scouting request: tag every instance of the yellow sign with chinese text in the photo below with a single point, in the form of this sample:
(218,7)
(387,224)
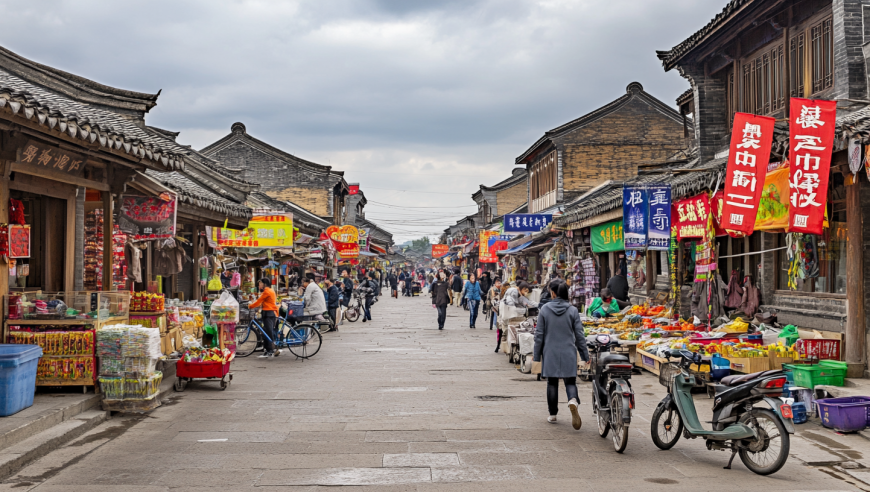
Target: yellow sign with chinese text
(263,231)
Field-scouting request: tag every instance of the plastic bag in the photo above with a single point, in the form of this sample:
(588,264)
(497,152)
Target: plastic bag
(225,309)
(791,335)
(214,283)
(236,280)
(189,341)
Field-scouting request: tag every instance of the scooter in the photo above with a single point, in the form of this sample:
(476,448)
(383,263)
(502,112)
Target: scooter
(759,435)
(612,396)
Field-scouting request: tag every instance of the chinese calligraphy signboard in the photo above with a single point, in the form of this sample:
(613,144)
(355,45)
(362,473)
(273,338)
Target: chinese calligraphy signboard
(526,222)
(263,231)
(748,156)
(659,197)
(148,217)
(607,237)
(691,216)
(811,140)
(39,155)
(345,239)
(439,250)
(487,255)
(634,213)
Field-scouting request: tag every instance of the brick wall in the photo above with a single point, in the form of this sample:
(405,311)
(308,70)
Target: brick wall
(611,147)
(850,78)
(512,198)
(711,113)
(315,200)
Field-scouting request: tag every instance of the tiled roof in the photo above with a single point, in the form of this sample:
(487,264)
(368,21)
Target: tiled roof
(670,57)
(87,122)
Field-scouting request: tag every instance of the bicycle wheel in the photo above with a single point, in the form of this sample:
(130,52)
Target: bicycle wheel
(306,341)
(352,314)
(247,340)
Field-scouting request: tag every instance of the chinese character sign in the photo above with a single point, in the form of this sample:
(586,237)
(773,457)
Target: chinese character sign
(526,222)
(439,250)
(345,239)
(690,216)
(607,237)
(486,255)
(263,231)
(659,236)
(634,213)
(811,140)
(37,154)
(748,156)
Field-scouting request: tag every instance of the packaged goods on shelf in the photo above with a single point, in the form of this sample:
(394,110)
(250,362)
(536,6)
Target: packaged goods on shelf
(141,342)
(124,388)
(66,369)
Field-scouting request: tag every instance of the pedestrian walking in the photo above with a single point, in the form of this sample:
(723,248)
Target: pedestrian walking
(269,310)
(394,283)
(440,292)
(473,297)
(456,289)
(558,338)
(493,297)
(333,294)
(368,289)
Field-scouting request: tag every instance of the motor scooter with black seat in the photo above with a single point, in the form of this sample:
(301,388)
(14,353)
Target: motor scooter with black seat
(612,396)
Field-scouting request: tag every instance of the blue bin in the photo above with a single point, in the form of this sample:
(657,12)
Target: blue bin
(719,367)
(799,410)
(17,377)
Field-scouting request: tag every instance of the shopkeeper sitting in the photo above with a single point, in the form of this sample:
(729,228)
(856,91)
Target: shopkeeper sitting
(606,305)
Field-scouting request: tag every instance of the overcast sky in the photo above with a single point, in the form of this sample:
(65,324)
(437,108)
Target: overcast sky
(418,101)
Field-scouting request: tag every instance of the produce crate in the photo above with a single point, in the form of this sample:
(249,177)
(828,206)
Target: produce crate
(749,365)
(650,362)
(828,372)
(849,414)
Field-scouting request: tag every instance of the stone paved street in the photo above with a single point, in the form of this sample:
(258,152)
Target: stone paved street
(397,405)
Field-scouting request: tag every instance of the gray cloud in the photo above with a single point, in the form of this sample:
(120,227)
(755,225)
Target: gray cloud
(414,95)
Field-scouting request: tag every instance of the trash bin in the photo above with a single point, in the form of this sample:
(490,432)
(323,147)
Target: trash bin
(17,377)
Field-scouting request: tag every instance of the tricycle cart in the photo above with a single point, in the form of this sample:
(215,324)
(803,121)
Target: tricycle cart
(189,371)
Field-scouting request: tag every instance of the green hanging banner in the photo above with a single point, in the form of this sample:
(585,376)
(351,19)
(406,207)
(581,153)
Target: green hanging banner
(608,237)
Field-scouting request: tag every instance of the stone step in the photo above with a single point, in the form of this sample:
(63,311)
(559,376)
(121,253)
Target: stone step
(18,455)
(44,414)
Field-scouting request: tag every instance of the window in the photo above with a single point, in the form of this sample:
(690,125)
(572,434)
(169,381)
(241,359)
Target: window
(828,275)
(823,54)
(812,63)
(763,91)
(542,183)
(796,53)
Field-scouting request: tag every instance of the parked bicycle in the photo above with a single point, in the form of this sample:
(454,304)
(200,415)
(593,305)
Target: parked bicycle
(302,339)
(354,307)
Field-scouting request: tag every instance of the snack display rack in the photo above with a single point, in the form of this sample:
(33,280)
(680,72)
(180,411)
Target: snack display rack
(63,324)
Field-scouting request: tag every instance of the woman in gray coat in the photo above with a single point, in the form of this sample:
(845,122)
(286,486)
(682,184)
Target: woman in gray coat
(558,338)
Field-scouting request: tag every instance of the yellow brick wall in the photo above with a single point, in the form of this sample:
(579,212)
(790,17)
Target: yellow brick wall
(511,198)
(315,200)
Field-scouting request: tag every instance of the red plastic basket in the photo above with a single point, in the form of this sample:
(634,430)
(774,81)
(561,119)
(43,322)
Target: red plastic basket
(201,369)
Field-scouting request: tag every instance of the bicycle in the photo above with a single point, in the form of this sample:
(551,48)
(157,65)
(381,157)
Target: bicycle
(302,339)
(354,307)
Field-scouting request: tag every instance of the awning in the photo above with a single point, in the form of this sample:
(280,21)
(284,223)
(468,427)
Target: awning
(378,249)
(516,249)
(366,253)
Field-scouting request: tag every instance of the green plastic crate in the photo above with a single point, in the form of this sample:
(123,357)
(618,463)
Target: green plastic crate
(829,372)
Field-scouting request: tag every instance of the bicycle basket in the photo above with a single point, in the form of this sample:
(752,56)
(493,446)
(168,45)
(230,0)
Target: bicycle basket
(667,373)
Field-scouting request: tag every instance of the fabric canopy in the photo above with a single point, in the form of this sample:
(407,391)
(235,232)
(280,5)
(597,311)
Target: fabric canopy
(516,249)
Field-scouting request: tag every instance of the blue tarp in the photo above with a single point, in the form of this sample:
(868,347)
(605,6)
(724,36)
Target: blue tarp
(516,249)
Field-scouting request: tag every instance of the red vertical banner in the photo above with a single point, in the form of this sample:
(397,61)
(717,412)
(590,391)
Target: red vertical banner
(748,156)
(811,141)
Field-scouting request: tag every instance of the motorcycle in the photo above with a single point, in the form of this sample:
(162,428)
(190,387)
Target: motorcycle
(759,435)
(612,396)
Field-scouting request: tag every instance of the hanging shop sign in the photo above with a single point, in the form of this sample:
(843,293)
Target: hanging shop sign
(634,216)
(773,207)
(607,237)
(691,216)
(345,239)
(659,236)
(855,160)
(19,241)
(263,231)
(498,243)
(526,222)
(751,137)
(485,254)
(364,239)
(811,141)
(38,155)
(439,250)
(716,204)
(148,217)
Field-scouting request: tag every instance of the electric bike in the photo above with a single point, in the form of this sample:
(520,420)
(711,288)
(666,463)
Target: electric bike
(612,397)
(759,435)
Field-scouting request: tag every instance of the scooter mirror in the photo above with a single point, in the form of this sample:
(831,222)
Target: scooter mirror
(603,339)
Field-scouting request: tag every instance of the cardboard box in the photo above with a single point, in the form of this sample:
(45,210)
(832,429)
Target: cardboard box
(170,342)
(749,365)
(165,346)
(179,342)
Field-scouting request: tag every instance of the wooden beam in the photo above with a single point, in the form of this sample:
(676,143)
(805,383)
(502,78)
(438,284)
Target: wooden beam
(69,251)
(855,339)
(55,176)
(108,228)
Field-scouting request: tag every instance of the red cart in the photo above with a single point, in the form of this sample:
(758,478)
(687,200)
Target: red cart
(188,371)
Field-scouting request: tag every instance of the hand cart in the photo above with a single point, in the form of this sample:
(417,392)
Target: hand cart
(189,371)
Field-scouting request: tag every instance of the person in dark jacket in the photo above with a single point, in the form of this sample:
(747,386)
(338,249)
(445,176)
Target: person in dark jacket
(440,292)
(369,289)
(618,284)
(332,302)
(394,283)
(347,287)
(558,338)
(456,289)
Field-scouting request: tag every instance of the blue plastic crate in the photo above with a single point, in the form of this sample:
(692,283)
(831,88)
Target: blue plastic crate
(799,410)
(17,377)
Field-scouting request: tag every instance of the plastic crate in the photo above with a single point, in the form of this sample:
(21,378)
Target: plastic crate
(17,377)
(799,410)
(847,414)
(201,369)
(828,372)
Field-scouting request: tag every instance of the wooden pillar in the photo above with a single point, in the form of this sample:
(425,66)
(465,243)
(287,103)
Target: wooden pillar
(70,252)
(108,228)
(149,277)
(650,271)
(198,252)
(855,327)
(5,167)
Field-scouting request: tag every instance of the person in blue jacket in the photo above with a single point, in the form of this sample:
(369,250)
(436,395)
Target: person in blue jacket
(472,294)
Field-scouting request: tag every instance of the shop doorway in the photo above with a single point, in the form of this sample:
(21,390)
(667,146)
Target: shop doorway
(44,270)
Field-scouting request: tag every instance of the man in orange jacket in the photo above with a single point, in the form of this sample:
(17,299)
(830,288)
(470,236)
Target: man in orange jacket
(268,300)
